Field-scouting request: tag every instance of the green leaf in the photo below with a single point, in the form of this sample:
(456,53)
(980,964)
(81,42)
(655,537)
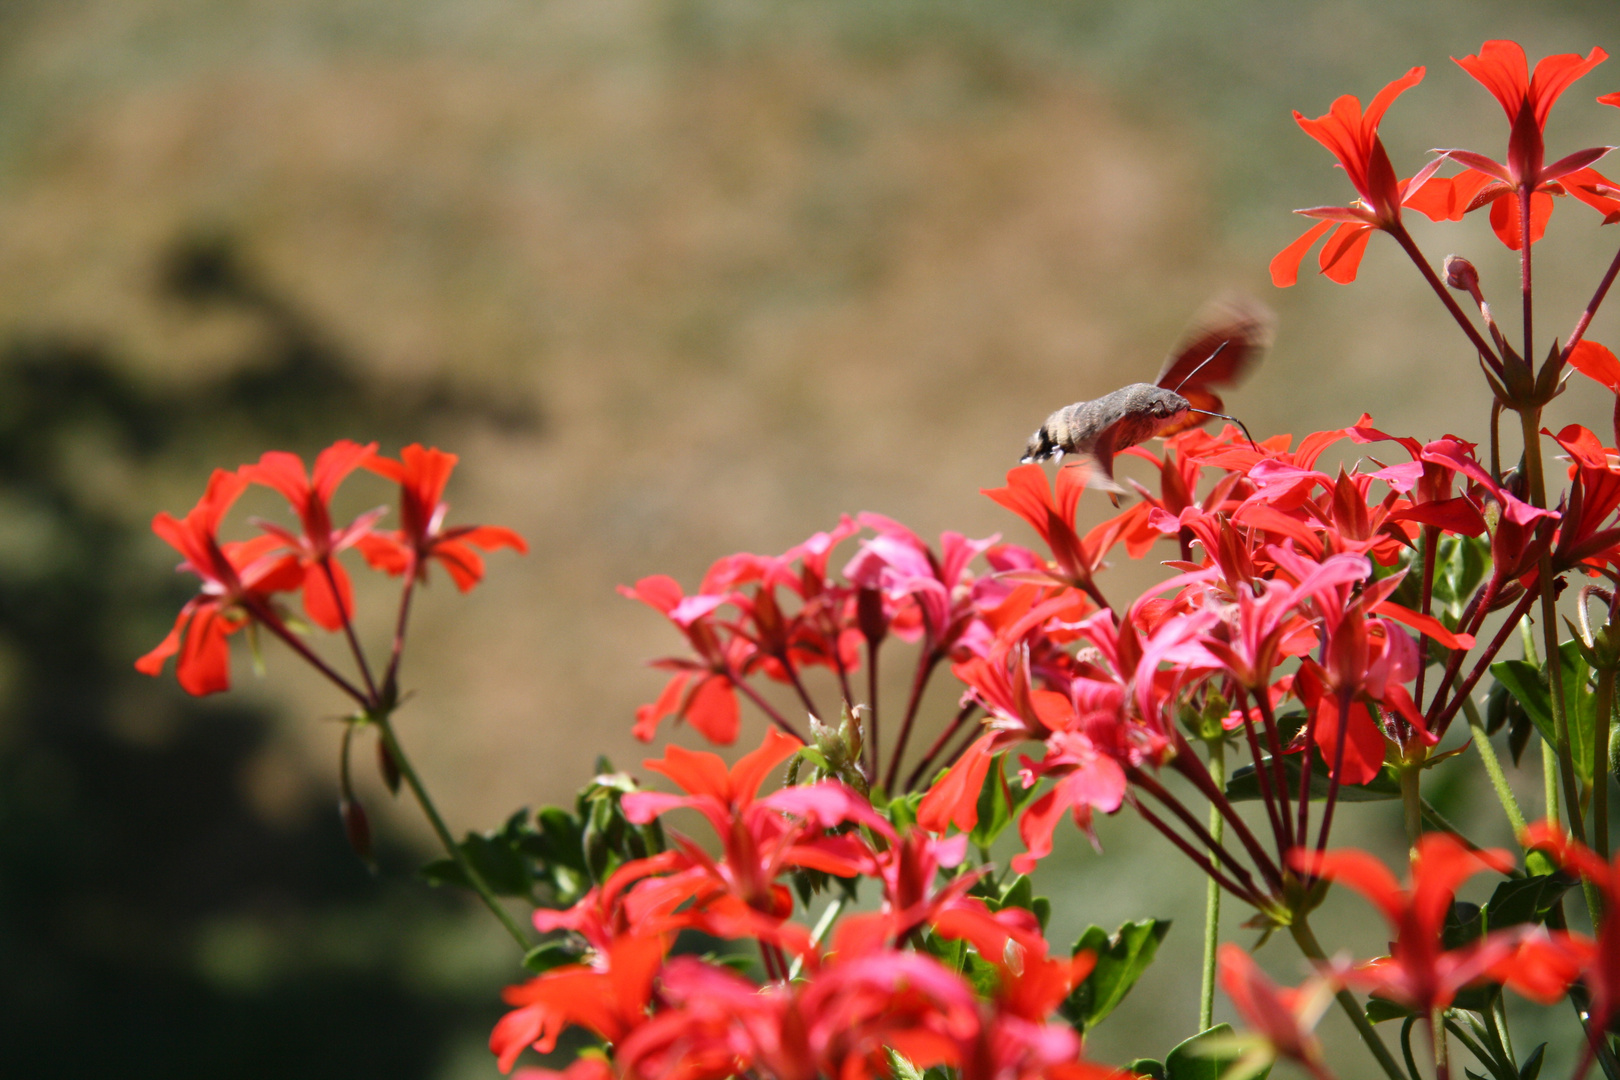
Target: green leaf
(1148,1067)
(998,803)
(1206,1056)
(552,954)
(1525,900)
(1121,960)
(1381,1009)
(1528,684)
(1244,785)
(1532,1064)
(498,863)
(444,872)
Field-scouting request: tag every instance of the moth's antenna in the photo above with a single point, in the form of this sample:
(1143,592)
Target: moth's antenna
(1234,420)
(1218,349)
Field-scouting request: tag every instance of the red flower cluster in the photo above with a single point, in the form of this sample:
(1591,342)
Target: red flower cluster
(857,1003)
(242,578)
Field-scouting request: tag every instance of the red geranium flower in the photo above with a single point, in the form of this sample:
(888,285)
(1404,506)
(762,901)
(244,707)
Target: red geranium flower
(1418,973)
(238,580)
(421,474)
(1501,67)
(1352,137)
(328,597)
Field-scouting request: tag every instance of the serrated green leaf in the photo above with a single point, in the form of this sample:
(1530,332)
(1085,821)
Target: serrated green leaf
(1121,960)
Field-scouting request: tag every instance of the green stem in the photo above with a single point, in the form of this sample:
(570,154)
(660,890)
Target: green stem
(1300,929)
(1412,804)
(1600,763)
(1437,1040)
(385,727)
(1212,893)
(1493,767)
(1530,423)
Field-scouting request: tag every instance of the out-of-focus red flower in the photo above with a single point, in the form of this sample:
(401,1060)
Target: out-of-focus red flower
(1568,955)
(1351,135)
(328,596)
(610,1001)
(1502,68)
(238,580)
(1284,1019)
(1419,973)
(421,473)
(702,691)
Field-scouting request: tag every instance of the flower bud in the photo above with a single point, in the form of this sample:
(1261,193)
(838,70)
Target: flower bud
(357,828)
(1461,275)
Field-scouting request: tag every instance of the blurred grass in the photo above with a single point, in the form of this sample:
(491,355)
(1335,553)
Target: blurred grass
(697,276)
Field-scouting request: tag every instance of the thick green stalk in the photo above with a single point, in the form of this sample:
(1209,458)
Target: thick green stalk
(1412,804)
(385,727)
(1300,929)
(1212,894)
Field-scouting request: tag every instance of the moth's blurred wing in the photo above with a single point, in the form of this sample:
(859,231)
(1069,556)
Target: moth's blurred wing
(1223,342)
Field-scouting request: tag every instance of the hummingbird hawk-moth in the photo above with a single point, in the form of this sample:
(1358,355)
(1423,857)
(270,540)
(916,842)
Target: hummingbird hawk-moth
(1219,347)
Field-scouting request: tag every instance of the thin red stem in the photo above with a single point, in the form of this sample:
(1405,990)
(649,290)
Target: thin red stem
(764,706)
(1525,291)
(1443,721)
(1202,860)
(873,751)
(968,709)
(1279,770)
(348,627)
(1263,776)
(391,676)
(927,660)
(270,621)
(1333,776)
(1592,306)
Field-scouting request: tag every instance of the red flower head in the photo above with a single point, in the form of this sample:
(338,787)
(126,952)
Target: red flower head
(1599,961)
(1501,67)
(421,474)
(1282,1019)
(238,580)
(1051,513)
(1419,973)
(328,597)
(1352,137)
(760,837)
(1587,532)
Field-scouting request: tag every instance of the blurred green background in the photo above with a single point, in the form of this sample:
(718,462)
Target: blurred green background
(676,278)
